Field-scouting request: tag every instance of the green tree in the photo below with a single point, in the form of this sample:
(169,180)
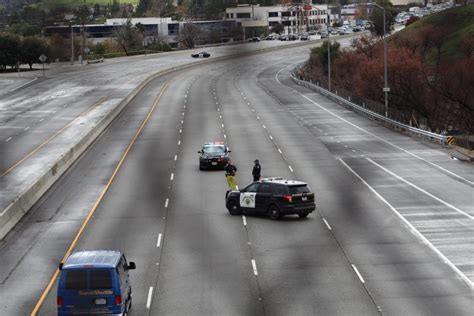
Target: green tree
(143,7)
(31,50)
(320,53)
(279,28)
(377,17)
(9,50)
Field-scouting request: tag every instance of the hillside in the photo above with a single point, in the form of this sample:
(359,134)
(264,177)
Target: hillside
(48,4)
(452,25)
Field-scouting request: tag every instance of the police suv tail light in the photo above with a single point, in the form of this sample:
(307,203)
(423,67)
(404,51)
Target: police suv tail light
(288,197)
(118,299)
(59,301)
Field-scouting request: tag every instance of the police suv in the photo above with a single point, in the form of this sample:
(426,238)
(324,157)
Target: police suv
(213,155)
(273,196)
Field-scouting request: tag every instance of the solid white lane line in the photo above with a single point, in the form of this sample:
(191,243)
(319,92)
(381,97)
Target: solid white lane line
(175,157)
(412,228)
(172,177)
(8,139)
(148,300)
(327,224)
(167,202)
(279,150)
(254,266)
(373,135)
(358,274)
(420,189)
(244,219)
(291,169)
(158,242)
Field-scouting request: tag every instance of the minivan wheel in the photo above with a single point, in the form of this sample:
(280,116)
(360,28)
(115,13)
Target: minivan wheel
(303,215)
(274,212)
(233,208)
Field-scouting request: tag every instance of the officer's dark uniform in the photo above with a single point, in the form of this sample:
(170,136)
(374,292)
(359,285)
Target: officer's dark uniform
(256,170)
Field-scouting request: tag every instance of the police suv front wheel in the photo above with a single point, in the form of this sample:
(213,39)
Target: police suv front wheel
(233,208)
(274,212)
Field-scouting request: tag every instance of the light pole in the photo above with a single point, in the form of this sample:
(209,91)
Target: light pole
(329,46)
(72,45)
(385,89)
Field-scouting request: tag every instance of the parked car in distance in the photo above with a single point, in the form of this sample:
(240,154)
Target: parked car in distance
(95,282)
(201,54)
(254,39)
(304,37)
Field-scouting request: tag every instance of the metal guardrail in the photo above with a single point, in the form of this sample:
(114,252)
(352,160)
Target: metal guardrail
(425,135)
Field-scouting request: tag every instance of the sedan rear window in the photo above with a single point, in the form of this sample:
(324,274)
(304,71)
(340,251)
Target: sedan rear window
(76,280)
(100,279)
(299,189)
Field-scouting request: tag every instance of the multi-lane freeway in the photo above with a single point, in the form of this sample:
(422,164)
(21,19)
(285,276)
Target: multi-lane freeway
(392,234)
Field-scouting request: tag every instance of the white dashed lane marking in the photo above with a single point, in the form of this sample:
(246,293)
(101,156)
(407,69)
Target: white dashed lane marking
(358,274)
(254,267)
(158,242)
(291,169)
(167,202)
(244,219)
(327,224)
(8,139)
(148,301)
(172,177)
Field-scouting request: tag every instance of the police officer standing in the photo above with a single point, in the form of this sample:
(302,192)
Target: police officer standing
(230,171)
(256,170)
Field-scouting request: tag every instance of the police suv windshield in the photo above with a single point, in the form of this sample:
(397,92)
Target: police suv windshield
(214,150)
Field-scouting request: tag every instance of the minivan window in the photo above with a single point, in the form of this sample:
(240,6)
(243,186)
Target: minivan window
(299,189)
(76,280)
(100,279)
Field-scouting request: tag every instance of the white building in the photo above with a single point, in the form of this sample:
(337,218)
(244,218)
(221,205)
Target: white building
(295,18)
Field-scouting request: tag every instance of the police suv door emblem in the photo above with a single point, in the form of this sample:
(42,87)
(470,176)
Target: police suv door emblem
(247,199)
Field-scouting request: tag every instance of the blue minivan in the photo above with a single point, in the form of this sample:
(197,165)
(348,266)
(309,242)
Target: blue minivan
(93,282)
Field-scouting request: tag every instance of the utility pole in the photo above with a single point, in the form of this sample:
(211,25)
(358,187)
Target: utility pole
(329,46)
(72,45)
(385,89)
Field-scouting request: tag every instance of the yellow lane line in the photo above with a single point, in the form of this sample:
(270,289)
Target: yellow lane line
(51,138)
(97,203)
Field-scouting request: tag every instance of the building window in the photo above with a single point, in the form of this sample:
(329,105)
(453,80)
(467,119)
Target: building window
(285,13)
(243,15)
(272,14)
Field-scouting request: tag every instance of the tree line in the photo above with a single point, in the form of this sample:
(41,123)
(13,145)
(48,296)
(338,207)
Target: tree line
(15,51)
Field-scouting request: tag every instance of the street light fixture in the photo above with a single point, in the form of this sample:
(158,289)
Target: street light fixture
(385,89)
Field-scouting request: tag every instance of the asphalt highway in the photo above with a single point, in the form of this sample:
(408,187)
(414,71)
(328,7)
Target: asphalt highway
(392,233)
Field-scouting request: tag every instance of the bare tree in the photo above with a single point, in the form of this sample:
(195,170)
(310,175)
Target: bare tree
(190,35)
(127,36)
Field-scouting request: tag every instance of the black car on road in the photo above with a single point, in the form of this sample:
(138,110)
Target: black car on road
(213,155)
(275,197)
(201,54)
